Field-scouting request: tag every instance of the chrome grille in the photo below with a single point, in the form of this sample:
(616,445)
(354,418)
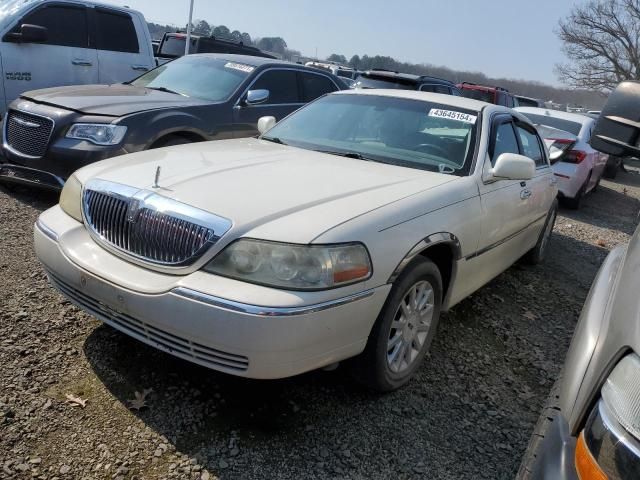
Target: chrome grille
(28,134)
(161,339)
(135,224)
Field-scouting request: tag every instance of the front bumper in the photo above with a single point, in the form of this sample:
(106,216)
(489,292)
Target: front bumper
(64,156)
(176,315)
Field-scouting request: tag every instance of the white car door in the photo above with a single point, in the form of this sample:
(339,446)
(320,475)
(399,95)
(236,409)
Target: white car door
(63,59)
(506,206)
(543,184)
(123,52)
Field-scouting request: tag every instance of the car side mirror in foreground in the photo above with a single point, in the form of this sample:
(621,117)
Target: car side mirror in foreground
(29,34)
(617,131)
(265,123)
(256,97)
(511,166)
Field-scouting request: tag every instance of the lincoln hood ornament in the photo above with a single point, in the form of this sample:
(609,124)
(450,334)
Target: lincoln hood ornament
(157,178)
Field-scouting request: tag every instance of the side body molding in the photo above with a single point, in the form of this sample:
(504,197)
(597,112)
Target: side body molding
(425,243)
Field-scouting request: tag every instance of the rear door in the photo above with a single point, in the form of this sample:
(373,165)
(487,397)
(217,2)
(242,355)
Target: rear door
(65,58)
(284,97)
(314,85)
(122,52)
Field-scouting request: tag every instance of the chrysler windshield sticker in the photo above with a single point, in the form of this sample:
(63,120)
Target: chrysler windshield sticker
(452,115)
(240,66)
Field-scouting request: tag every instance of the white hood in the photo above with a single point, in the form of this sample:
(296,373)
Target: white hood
(254,182)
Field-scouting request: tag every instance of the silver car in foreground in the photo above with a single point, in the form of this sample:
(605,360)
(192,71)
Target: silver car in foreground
(590,427)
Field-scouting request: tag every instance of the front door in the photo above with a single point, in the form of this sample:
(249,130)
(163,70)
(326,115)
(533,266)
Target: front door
(121,57)
(63,59)
(284,98)
(506,206)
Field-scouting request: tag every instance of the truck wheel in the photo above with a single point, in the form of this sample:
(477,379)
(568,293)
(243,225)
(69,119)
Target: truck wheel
(536,254)
(403,332)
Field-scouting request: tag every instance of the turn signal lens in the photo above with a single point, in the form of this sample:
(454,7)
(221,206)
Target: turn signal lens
(586,465)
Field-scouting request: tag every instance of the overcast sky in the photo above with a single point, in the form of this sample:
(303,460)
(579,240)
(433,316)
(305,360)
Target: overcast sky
(502,38)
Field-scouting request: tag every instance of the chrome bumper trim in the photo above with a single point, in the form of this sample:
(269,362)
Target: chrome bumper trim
(267,311)
(46,230)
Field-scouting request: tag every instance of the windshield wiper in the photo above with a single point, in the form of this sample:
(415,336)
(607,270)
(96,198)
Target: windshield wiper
(356,155)
(167,90)
(274,140)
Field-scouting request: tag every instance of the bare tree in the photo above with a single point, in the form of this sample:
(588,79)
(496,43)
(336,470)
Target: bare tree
(602,42)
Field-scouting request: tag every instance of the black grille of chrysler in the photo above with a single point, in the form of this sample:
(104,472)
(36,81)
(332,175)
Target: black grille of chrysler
(147,234)
(28,134)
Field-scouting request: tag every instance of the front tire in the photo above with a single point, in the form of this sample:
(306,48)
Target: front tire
(403,332)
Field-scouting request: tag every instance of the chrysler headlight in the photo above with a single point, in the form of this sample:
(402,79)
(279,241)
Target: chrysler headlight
(295,267)
(71,198)
(98,133)
(621,394)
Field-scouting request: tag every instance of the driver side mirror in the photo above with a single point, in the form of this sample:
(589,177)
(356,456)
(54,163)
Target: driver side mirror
(265,123)
(256,97)
(29,34)
(511,166)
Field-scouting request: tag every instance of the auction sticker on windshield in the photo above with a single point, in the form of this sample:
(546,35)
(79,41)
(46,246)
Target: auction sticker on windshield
(453,115)
(240,66)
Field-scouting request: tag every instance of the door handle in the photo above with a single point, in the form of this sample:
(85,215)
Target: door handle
(140,67)
(524,194)
(82,63)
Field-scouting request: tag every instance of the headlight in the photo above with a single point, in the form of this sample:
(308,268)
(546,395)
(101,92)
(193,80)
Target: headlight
(295,267)
(621,394)
(98,133)
(71,198)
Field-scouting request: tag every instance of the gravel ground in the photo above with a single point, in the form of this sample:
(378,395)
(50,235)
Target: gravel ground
(468,414)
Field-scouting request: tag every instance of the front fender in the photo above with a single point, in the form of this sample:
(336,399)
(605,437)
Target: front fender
(584,358)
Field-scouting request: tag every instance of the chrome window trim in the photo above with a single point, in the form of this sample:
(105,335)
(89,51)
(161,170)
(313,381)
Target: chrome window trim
(4,133)
(155,202)
(261,311)
(268,69)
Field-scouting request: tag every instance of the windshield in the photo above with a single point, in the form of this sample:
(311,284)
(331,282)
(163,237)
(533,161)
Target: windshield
(368,82)
(559,123)
(8,8)
(396,131)
(482,95)
(213,79)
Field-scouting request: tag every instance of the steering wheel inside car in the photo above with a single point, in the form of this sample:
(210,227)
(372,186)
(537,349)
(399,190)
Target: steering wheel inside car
(425,147)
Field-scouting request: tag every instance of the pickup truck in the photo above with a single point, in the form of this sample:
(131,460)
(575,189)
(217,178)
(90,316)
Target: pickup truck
(48,43)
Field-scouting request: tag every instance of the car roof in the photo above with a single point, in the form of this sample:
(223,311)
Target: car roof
(253,61)
(405,76)
(105,5)
(547,112)
(452,100)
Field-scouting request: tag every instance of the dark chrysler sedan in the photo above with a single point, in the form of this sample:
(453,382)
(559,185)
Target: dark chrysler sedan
(50,133)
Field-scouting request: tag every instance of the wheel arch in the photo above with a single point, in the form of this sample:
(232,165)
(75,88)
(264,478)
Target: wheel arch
(188,134)
(444,250)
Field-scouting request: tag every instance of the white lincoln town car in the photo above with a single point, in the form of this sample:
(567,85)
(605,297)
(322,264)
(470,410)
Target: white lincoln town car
(343,231)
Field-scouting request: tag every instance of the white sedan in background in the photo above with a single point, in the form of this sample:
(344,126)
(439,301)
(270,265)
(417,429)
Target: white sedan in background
(343,231)
(576,165)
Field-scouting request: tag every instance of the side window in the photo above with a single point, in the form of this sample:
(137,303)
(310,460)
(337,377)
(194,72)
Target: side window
(314,86)
(435,88)
(282,86)
(66,26)
(531,146)
(455,92)
(504,141)
(509,101)
(115,32)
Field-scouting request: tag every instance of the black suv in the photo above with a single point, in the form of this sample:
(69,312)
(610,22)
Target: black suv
(405,81)
(172,46)
(50,133)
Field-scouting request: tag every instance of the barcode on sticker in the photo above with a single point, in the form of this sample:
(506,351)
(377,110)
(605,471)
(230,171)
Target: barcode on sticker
(240,66)
(453,115)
